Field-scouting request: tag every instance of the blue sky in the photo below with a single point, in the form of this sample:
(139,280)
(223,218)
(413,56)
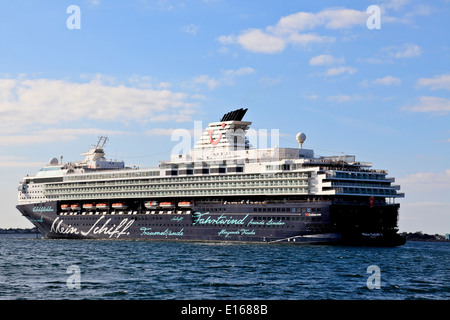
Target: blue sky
(138,69)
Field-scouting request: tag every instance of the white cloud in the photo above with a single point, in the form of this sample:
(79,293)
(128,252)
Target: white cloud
(331,72)
(342,18)
(210,82)
(239,72)
(405,11)
(385,81)
(296,22)
(426,181)
(191,29)
(438,82)
(164,85)
(291,29)
(325,59)
(45,101)
(406,50)
(53,135)
(412,215)
(93,3)
(335,18)
(431,104)
(390,53)
(29,107)
(17,162)
(426,193)
(258,41)
(395,4)
(409,50)
(307,38)
(159,132)
(226,39)
(341,98)
(198,96)
(329,60)
(227,78)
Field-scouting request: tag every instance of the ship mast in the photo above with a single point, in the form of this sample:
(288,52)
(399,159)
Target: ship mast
(100,139)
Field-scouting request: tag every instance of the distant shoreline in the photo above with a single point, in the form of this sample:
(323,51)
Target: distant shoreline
(19,230)
(420,236)
(409,236)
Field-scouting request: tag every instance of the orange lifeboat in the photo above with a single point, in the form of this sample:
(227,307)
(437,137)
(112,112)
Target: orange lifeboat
(119,205)
(102,206)
(75,207)
(167,204)
(185,204)
(151,204)
(65,207)
(89,206)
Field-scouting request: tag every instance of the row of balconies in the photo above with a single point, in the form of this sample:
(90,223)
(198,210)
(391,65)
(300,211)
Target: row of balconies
(223,179)
(222,186)
(363,191)
(193,193)
(352,183)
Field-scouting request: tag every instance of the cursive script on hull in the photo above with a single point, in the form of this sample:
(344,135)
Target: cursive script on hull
(98,228)
(220,220)
(42,209)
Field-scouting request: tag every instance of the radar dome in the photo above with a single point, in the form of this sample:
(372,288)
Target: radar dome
(53,161)
(301,137)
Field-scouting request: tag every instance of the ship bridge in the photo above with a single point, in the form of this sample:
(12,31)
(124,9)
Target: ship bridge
(226,142)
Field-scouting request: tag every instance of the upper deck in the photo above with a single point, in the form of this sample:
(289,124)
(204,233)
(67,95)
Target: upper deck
(223,163)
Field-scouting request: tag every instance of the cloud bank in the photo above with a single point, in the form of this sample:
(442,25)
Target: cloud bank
(31,108)
(295,29)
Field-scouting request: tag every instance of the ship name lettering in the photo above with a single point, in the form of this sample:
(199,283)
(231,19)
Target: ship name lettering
(269,223)
(222,219)
(117,231)
(276,223)
(255,222)
(147,232)
(226,233)
(43,209)
(57,228)
(114,230)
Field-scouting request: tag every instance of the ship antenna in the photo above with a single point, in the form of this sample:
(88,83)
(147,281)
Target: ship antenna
(104,141)
(100,141)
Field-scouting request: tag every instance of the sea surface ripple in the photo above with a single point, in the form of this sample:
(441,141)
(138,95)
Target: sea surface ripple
(43,269)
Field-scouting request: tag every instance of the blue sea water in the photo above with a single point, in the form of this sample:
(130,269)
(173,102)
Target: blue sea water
(39,269)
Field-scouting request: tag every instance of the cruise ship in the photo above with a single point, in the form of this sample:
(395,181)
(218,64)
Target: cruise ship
(223,190)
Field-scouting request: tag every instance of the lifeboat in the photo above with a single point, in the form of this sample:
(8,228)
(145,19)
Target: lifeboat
(185,204)
(89,206)
(65,207)
(75,207)
(119,205)
(166,205)
(102,206)
(151,204)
